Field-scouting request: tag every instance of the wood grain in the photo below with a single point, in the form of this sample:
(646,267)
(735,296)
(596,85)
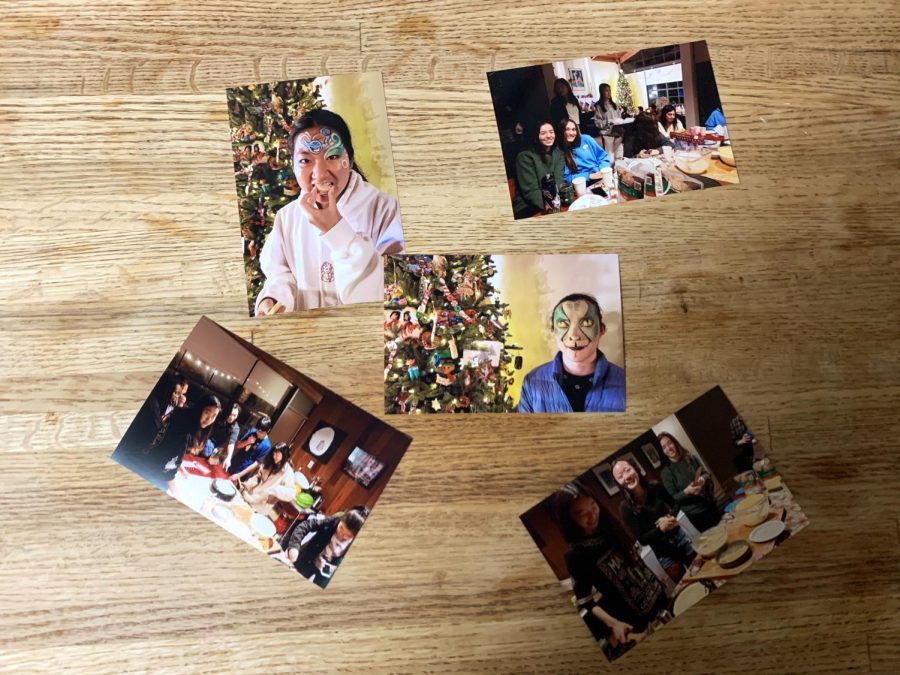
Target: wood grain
(119,227)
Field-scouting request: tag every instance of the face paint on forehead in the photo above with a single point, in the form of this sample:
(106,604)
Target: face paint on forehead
(323,140)
(576,321)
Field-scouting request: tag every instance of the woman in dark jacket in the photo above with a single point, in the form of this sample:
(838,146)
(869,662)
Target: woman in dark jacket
(187,431)
(564,106)
(601,557)
(318,544)
(688,483)
(649,512)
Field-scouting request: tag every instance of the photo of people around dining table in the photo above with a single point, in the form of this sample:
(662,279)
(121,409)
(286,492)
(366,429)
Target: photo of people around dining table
(503,333)
(281,462)
(615,127)
(317,193)
(657,526)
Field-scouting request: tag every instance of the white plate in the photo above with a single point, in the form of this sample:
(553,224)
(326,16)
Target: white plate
(588,201)
(221,512)
(224,487)
(689,597)
(767,531)
(321,441)
(302,480)
(262,525)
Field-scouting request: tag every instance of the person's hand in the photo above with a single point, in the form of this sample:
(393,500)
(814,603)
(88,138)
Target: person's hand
(595,176)
(643,154)
(292,554)
(654,152)
(324,218)
(620,631)
(667,523)
(266,306)
(693,489)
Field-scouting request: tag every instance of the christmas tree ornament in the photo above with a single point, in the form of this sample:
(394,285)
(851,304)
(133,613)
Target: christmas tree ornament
(454,351)
(413,369)
(439,265)
(435,405)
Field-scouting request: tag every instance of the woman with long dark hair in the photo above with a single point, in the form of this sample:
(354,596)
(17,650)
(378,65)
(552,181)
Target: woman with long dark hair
(650,513)
(646,139)
(605,111)
(602,557)
(272,482)
(668,121)
(540,159)
(583,157)
(564,105)
(325,247)
(689,483)
(187,432)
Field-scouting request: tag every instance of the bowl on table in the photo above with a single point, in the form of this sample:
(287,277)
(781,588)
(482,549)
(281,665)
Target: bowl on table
(726,154)
(693,161)
(223,489)
(262,526)
(709,542)
(752,509)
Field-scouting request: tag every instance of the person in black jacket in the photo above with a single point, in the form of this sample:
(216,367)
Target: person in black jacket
(318,544)
(564,105)
(602,558)
(649,512)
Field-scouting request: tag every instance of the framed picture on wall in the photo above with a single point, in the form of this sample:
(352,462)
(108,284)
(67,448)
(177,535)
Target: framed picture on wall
(604,475)
(652,455)
(363,467)
(325,439)
(576,78)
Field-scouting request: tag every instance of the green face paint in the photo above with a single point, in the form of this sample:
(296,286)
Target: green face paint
(576,323)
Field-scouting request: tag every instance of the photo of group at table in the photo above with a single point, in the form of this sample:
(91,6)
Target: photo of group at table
(317,195)
(503,333)
(658,525)
(614,127)
(281,462)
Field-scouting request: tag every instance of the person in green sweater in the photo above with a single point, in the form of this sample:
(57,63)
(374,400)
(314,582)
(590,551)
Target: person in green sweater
(688,483)
(541,158)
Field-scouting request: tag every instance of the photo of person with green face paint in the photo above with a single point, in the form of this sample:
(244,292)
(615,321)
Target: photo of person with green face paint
(580,378)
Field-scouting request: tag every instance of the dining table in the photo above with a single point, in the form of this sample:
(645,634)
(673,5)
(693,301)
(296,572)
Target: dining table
(193,487)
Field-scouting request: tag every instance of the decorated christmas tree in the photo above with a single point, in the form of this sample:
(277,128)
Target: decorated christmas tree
(261,116)
(623,93)
(446,337)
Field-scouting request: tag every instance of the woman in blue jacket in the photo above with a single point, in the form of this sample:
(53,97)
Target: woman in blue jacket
(583,155)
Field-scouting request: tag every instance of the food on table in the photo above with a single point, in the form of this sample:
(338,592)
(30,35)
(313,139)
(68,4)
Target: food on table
(681,183)
(692,161)
(734,555)
(773,483)
(223,489)
(753,509)
(767,531)
(689,596)
(711,541)
(726,154)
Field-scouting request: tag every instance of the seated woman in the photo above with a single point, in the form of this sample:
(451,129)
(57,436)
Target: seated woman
(583,156)
(645,138)
(187,432)
(668,121)
(649,512)
(542,158)
(273,482)
(600,557)
(325,247)
(318,544)
(688,483)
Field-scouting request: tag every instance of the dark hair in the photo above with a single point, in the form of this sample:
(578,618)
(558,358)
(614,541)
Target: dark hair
(397,312)
(407,315)
(236,406)
(570,97)
(180,379)
(269,459)
(665,111)
(613,535)
(600,94)
(325,118)
(646,133)
(642,481)
(264,424)
(536,144)
(199,436)
(355,518)
(681,450)
(565,146)
(575,297)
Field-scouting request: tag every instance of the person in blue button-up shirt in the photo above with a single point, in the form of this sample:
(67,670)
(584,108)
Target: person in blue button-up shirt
(579,378)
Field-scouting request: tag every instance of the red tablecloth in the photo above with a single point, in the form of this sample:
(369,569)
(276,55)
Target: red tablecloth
(191,462)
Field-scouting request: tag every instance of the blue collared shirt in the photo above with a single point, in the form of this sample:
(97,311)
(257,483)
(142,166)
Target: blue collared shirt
(542,388)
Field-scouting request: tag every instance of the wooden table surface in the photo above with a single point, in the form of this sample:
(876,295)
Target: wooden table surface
(119,223)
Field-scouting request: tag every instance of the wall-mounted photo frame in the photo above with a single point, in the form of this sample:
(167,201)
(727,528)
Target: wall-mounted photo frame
(576,78)
(325,439)
(652,455)
(363,467)
(604,475)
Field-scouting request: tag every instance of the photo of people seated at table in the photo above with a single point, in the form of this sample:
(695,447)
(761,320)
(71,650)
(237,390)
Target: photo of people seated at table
(316,190)
(618,126)
(281,462)
(504,333)
(664,521)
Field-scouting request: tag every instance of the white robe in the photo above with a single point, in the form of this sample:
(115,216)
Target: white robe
(305,269)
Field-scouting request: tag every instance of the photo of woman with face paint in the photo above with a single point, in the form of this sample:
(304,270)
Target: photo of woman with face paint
(617,595)
(580,378)
(325,247)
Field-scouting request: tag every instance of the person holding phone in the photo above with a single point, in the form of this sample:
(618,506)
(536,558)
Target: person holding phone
(689,483)
(318,544)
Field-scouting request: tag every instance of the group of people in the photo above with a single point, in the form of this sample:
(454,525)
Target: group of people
(603,558)
(558,147)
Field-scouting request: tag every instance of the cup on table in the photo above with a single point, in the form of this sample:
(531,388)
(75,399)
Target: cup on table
(580,185)
(668,153)
(606,177)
